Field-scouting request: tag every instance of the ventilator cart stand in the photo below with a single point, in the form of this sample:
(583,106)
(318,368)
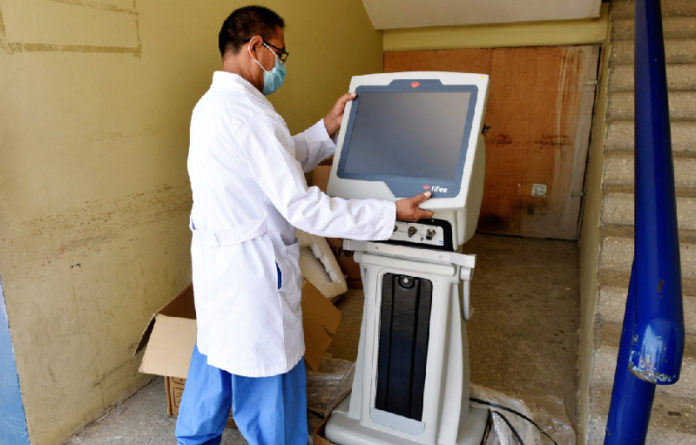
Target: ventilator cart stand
(405,133)
(411,381)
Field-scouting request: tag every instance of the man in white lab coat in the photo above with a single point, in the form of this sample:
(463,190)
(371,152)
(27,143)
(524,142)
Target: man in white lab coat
(249,195)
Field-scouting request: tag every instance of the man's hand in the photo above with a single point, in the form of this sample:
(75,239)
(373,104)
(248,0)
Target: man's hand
(332,120)
(408,210)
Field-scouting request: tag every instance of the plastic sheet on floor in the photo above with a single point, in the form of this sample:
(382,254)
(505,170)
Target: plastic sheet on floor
(326,388)
(329,385)
(546,411)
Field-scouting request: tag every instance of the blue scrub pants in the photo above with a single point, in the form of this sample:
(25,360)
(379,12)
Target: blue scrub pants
(267,410)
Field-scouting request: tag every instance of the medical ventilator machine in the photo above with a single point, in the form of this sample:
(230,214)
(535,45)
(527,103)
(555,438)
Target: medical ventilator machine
(404,134)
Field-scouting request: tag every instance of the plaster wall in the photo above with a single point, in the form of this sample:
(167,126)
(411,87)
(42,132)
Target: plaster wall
(94,195)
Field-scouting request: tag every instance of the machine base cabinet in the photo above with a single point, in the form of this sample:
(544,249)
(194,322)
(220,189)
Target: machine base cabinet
(343,430)
(411,384)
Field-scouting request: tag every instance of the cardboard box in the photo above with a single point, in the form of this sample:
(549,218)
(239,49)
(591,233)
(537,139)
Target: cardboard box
(320,176)
(320,320)
(170,336)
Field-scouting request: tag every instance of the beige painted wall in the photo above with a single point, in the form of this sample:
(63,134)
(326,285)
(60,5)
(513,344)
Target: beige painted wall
(94,196)
(552,33)
(590,238)
(400,14)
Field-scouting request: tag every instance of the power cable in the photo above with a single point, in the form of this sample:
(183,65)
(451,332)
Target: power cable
(517,413)
(510,427)
(487,429)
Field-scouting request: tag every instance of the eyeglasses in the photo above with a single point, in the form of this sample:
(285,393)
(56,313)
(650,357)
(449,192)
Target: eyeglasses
(280,52)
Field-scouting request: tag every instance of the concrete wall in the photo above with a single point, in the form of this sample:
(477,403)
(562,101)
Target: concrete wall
(94,196)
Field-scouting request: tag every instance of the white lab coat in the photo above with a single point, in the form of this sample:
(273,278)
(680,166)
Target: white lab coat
(249,194)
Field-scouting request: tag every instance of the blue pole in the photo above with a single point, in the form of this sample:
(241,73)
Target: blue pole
(631,398)
(652,340)
(658,343)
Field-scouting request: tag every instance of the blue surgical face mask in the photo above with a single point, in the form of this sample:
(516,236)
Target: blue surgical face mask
(272,79)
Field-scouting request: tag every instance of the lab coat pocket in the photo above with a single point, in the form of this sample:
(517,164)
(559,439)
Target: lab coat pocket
(291,282)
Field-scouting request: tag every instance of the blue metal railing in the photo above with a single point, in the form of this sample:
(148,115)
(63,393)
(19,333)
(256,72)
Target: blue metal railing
(652,340)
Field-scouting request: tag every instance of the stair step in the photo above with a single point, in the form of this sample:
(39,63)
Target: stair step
(612,304)
(680,77)
(619,169)
(623,9)
(675,27)
(607,349)
(672,422)
(620,135)
(673,419)
(682,105)
(619,279)
(616,251)
(676,51)
(618,209)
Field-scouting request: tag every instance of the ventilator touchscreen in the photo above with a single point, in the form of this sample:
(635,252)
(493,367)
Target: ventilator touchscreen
(411,135)
(407,134)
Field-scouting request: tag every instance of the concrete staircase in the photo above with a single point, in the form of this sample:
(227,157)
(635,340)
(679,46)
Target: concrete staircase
(674,411)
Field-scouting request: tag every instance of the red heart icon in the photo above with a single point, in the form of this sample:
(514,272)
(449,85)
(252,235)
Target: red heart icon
(415,84)
(425,187)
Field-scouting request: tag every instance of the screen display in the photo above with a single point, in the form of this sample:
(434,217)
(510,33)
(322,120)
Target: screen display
(408,135)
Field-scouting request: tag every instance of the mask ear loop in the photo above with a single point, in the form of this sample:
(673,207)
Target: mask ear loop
(256,60)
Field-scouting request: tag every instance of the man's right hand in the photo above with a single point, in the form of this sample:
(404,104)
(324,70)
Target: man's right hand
(408,210)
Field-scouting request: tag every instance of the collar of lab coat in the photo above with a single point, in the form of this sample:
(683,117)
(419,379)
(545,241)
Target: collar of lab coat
(225,79)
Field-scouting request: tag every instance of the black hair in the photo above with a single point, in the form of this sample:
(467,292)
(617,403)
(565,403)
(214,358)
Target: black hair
(245,23)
